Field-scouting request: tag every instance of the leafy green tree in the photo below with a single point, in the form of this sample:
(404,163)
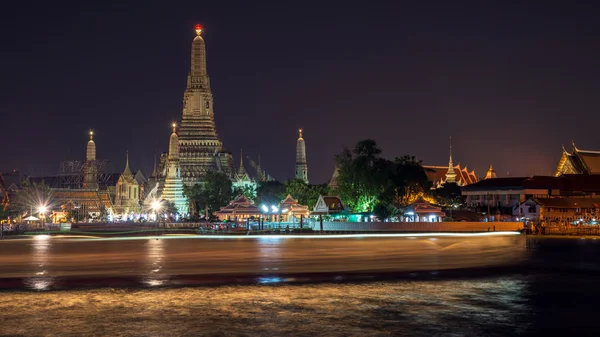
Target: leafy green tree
(247,190)
(361,178)
(270,192)
(365,179)
(217,191)
(384,210)
(305,194)
(195,197)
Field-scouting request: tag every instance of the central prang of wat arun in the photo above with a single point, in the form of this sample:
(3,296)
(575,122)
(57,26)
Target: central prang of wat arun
(200,149)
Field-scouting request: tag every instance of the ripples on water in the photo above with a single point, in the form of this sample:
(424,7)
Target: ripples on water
(490,307)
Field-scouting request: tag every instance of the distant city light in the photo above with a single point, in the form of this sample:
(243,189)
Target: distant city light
(264,208)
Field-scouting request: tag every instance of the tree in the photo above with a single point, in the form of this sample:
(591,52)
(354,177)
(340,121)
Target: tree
(361,178)
(384,210)
(270,192)
(248,191)
(448,195)
(305,194)
(365,179)
(217,191)
(409,179)
(31,196)
(170,207)
(195,198)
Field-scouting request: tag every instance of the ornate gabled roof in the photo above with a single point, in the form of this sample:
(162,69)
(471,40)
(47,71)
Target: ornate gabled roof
(437,175)
(578,162)
(127,176)
(288,201)
(241,200)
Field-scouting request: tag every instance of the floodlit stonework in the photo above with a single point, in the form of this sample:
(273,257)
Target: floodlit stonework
(301,166)
(200,149)
(173,188)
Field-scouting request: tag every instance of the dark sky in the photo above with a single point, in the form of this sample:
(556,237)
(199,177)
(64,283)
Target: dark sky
(510,82)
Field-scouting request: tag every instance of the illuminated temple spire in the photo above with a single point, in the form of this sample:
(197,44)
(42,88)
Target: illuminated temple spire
(242,170)
(301,166)
(90,153)
(90,169)
(200,148)
(450,174)
(491,174)
(173,189)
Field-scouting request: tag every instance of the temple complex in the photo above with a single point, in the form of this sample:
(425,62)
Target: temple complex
(200,149)
(439,175)
(173,187)
(88,200)
(578,162)
(301,167)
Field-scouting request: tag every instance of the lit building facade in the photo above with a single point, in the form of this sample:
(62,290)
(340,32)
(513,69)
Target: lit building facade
(127,198)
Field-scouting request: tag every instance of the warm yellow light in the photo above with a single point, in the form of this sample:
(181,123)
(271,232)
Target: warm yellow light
(156,205)
(42,209)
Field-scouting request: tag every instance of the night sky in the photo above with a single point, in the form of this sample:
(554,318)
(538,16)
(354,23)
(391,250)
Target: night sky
(510,83)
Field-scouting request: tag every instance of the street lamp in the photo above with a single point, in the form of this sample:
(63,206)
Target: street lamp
(42,210)
(156,207)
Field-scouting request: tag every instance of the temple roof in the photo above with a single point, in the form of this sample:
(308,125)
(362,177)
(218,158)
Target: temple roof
(288,201)
(578,162)
(491,173)
(437,174)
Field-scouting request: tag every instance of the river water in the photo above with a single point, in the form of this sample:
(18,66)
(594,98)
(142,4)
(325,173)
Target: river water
(554,293)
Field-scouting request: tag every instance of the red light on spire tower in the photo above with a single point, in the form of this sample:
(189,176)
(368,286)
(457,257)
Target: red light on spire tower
(198,29)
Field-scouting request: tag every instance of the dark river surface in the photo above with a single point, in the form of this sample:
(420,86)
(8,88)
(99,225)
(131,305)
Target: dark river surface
(361,286)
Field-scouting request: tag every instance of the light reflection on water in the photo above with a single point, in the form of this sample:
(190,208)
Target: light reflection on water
(39,259)
(155,250)
(485,307)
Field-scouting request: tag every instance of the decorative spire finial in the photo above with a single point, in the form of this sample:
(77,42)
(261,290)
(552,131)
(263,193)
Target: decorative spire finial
(300,131)
(450,163)
(174,125)
(91,135)
(198,29)
(126,158)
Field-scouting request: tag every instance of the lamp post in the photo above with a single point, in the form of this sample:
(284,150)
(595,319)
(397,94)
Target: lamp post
(156,207)
(42,211)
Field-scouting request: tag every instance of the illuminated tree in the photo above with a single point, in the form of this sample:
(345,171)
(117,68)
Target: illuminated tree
(305,194)
(366,180)
(247,190)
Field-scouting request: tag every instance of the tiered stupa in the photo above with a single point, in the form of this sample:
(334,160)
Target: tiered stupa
(173,188)
(200,148)
(301,166)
